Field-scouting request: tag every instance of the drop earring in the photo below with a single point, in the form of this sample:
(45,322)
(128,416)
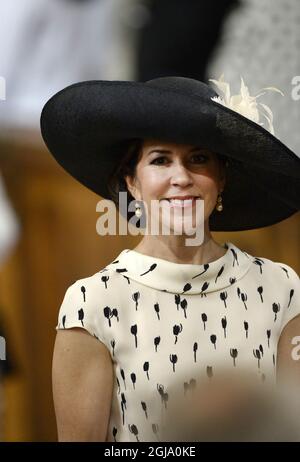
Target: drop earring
(219,206)
(138,210)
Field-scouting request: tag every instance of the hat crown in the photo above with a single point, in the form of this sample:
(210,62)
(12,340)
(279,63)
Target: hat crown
(183,85)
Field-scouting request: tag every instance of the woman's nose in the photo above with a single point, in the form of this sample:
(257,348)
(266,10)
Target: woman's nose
(180,175)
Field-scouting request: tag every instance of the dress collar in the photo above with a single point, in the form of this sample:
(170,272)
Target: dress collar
(181,278)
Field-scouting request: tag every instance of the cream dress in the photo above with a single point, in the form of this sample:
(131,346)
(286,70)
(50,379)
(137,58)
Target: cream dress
(168,325)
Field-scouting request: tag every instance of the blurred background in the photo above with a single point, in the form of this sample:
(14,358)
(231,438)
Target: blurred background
(48,220)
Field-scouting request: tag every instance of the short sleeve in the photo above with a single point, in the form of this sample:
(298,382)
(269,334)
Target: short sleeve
(79,308)
(291,307)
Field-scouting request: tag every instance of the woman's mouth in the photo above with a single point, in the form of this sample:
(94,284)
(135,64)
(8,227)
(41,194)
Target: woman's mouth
(178,203)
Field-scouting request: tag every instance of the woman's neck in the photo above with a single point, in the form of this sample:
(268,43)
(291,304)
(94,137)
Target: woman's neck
(177,252)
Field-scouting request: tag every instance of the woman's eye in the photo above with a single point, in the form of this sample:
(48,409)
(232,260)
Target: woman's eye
(199,158)
(155,161)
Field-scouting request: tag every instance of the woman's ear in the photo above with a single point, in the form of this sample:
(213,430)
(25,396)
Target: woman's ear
(131,186)
(223,181)
(223,176)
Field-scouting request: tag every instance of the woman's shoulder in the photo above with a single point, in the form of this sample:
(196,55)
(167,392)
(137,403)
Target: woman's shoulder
(88,301)
(283,284)
(266,266)
(95,284)
(276,268)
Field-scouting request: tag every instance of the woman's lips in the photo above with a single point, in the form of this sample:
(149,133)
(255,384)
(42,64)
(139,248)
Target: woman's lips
(176,203)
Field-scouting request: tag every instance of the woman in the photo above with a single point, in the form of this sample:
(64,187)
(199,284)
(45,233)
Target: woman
(138,336)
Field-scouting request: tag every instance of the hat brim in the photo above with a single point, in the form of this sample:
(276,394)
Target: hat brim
(86,126)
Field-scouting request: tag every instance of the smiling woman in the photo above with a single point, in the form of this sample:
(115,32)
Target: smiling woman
(165,317)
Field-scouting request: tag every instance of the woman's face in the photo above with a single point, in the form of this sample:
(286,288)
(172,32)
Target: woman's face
(165,170)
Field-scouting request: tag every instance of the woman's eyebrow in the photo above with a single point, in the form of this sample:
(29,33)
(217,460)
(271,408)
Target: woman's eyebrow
(167,151)
(162,151)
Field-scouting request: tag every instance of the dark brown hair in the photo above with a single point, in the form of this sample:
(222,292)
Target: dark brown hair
(127,166)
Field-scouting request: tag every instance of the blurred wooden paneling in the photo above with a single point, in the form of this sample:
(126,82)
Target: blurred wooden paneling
(59,244)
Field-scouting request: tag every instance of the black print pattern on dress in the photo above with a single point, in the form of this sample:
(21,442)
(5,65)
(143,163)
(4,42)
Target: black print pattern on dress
(183,305)
(234,355)
(276,309)
(246,327)
(105,279)
(259,262)
(291,296)
(113,344)
(133,379)
(204,319)
(109,313)
(224,325)
(286,271)
(235,257)
(176,331)
(260,291)
(213,339)
(152,268)
(156,343)
(189,386)
(135,298)
(81,316)
(205,268)
(156,308)
(133,330)
(83,290)
(219,273)
(223,297)
(127,278)
(195,349)
(167,325)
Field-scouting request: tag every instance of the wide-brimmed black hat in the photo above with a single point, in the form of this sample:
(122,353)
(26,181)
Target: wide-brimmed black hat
(86,126)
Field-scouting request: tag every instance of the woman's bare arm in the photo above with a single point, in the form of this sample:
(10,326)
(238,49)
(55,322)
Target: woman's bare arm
(82,378)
